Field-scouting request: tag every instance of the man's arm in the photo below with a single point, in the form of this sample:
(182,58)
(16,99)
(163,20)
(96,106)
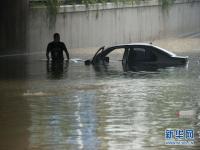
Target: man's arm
(66,52)
(47,51)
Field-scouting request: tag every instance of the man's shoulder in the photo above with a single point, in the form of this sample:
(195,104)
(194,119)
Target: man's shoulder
(51,43)
(56,43)
(62,43)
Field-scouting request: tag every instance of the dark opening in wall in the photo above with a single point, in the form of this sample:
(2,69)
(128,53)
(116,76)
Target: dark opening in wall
(13,15)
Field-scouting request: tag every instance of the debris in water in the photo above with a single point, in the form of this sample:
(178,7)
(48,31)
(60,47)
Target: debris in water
(35,94)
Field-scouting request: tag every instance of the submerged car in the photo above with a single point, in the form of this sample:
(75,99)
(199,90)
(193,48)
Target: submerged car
(139,55)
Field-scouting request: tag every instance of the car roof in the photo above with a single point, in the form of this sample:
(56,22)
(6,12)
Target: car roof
(143,44)
(132,44)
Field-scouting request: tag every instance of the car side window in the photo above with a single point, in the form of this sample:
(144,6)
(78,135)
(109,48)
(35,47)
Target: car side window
(116,54)
(136,54)
(150,55)
(141,54)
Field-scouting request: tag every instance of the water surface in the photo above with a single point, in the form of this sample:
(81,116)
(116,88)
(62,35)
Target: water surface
(47,106)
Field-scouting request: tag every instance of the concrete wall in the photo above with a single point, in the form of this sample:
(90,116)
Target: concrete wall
(82,27)
(13,26)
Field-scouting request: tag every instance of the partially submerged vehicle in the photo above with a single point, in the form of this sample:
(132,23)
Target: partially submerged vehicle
(139,55)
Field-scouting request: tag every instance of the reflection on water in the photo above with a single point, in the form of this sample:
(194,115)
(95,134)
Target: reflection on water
(56,70)
(14,108)
(72,106)
(14,115)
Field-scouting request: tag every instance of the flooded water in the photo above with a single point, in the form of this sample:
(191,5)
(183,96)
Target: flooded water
(46,106)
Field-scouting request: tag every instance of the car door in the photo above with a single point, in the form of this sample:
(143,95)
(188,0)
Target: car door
(125,57)
(141,55)
(136,55)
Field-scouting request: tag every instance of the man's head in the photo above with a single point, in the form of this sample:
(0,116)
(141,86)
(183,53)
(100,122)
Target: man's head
(56,37)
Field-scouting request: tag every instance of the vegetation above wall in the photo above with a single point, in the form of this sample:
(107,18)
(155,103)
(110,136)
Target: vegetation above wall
(53,5)
(166,3)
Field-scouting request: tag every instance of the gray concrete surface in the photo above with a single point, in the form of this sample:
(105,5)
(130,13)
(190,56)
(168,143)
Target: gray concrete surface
(82,27)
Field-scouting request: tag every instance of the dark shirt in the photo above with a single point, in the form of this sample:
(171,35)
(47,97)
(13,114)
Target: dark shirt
(56,49)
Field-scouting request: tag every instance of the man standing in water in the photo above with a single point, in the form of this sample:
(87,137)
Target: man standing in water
(56,48)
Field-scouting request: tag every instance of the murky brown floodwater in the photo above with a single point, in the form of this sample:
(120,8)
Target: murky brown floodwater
(72,106)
